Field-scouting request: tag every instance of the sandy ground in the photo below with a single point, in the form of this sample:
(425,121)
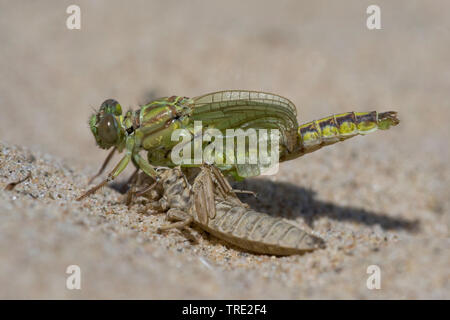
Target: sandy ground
(378,200)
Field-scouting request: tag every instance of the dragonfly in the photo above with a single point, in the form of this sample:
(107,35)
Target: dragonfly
(150,128)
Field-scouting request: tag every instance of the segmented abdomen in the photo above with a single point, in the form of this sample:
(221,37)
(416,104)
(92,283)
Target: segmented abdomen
(259,232)
(316,134)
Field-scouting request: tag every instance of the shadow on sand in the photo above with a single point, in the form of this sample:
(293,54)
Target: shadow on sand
(290,201)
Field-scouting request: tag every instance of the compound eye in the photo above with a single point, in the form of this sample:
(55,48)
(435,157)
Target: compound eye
(111,106)
(107,129)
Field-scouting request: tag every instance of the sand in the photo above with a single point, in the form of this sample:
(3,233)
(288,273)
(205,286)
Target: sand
(382,199)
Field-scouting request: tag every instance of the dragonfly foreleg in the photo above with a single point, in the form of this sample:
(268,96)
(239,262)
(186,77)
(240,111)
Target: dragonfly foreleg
(111,176)
(144,165)
(105,163)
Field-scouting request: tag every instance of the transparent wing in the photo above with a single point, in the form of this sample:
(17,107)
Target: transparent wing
(244,109)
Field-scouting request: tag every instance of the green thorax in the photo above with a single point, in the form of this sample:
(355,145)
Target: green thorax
(154,123)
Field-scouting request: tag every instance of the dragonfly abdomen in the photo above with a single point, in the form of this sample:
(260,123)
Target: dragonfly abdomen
(319,133)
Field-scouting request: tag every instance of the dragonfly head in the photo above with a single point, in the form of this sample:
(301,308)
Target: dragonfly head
(106,125)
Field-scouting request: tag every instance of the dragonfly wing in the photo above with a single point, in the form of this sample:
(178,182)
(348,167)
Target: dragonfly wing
(245,109)
(240,109)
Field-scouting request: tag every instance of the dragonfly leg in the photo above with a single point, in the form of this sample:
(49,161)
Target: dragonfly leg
(223,185)
(253,193)
(146,189)
(105,163)
(130,143)
(144,165)
(112,175)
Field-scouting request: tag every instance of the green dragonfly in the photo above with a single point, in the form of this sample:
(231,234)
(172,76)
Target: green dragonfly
(150,128)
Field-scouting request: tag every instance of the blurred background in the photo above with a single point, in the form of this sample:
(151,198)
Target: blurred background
(364,194)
